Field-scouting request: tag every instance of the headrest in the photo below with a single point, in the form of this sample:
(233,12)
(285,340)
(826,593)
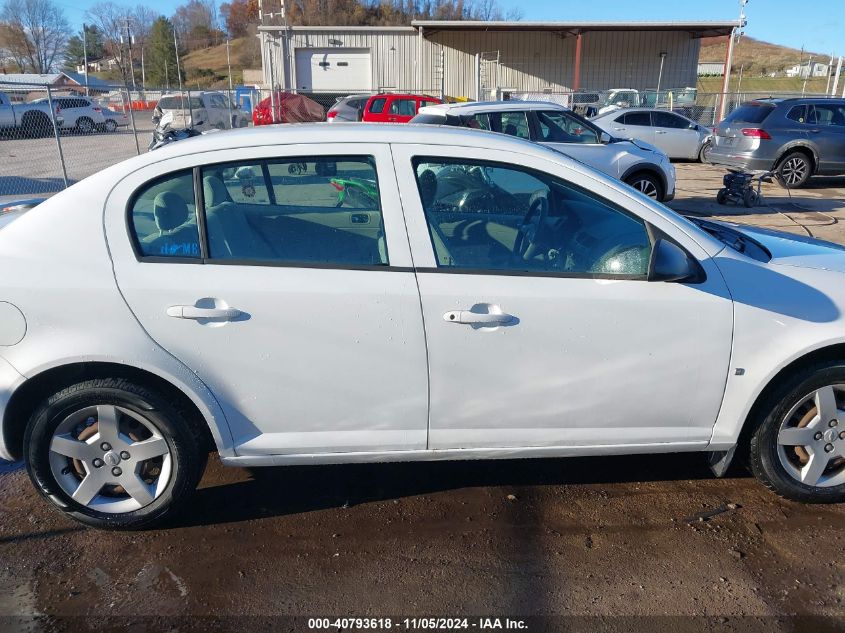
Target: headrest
(428,187)
(169,210)
(214,191)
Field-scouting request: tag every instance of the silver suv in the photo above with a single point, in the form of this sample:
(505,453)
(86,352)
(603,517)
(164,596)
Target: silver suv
(795,138)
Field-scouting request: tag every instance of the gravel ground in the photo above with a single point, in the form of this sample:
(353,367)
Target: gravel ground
(637,543)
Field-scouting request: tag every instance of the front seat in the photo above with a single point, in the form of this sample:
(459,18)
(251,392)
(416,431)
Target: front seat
(174,238)
(428,193)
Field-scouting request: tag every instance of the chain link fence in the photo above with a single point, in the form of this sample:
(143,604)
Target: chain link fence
(54,136)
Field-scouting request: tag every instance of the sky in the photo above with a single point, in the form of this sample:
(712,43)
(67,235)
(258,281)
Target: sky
(819,25)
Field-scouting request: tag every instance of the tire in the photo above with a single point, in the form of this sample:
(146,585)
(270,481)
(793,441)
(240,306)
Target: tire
(78,413)
(36,125)
(750,198)
(722,196)
(704,152)
(646,183)
(110,126)
(85,125)
(790,416)
(794,170)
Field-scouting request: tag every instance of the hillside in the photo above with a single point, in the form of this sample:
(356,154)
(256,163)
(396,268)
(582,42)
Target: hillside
(207,67)
(757,57)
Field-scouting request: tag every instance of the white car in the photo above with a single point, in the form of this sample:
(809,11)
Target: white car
(81,114)
(358,293)
(675,135)
(205,111)
(637,163)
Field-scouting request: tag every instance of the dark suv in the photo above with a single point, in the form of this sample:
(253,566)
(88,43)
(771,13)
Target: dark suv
(795,138)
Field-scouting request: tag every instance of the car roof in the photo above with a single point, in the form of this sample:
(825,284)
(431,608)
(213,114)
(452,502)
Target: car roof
(622,111)
(316,133)
(401,95)
(493,106)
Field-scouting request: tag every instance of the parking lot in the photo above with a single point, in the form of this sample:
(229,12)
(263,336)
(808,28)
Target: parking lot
(624,543)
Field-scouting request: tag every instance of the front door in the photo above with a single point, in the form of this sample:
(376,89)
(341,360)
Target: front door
(542,328)
(826,130)
(565,133)
(300,312)
(674,136)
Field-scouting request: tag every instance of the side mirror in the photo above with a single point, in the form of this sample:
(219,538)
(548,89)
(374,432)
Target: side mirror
(604,138)
(669,262)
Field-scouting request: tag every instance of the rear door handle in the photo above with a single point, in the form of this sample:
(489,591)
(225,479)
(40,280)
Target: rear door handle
(475,318)
(193,312)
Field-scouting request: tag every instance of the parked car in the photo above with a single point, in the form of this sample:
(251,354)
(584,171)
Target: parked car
(31,119)
(673,134)
(618,98)
(80,114)
(349,108)
(205,111)
(395,108)
(795,138)
(113,119)
(635,162)
(287,107)
(579,318)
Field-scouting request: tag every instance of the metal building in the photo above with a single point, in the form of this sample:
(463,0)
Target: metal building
(480,60)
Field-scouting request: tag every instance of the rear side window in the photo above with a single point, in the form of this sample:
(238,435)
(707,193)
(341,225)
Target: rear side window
(163,217)
(751,113)
(377,106)
(323,211)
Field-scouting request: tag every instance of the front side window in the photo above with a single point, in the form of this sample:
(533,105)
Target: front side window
(636,118)
(495,217)
(667,119)
(308,210)
(164,219)
(377,106)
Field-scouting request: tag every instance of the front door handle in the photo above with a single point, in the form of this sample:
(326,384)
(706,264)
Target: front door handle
(477,318)
(193,312)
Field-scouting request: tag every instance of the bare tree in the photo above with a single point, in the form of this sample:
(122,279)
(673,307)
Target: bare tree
(111,20)
(34,34)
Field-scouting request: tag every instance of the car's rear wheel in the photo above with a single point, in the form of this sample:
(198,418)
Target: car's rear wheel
(704,152)
(85,125)
(646,183)
(794,170)
(113,454)
(798,449)
(110,126)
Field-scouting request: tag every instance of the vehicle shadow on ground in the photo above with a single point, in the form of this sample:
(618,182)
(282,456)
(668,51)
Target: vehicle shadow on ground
(705,206)
(297,489)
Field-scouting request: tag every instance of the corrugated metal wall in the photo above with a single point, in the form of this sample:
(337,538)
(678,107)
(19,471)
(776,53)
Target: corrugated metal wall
(528,61)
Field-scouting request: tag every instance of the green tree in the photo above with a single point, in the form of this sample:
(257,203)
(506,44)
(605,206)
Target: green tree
(161,56)
(75,51)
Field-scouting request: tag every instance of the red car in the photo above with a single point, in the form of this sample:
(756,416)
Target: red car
(289,108)
(395,108)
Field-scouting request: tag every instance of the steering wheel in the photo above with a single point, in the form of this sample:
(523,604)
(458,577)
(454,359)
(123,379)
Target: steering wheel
(532,231)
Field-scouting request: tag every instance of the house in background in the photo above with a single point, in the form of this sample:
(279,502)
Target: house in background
(808,69)
(711,69)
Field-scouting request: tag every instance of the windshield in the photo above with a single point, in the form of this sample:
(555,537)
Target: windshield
(179,103)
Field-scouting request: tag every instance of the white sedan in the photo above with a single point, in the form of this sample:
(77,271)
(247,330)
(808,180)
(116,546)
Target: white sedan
(323,294)
(675,135)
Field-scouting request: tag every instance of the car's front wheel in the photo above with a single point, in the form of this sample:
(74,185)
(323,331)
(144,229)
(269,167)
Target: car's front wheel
(798,448)
(113,454)
(646,183)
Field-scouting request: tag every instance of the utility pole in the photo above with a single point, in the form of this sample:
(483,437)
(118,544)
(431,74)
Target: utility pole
(129,44)
(806,75)
(230,97)
(736,33)
(85,54)
(143,70)
(178,67)
(836,77)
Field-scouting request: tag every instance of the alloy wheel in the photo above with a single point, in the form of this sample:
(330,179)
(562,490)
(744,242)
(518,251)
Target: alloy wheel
(110,459)
(645,186)
(110,126)
(811,439)
(794,171)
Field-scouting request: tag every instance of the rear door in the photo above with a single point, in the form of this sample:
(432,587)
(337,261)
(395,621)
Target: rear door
(633,125)
(674,136)
(301,312)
